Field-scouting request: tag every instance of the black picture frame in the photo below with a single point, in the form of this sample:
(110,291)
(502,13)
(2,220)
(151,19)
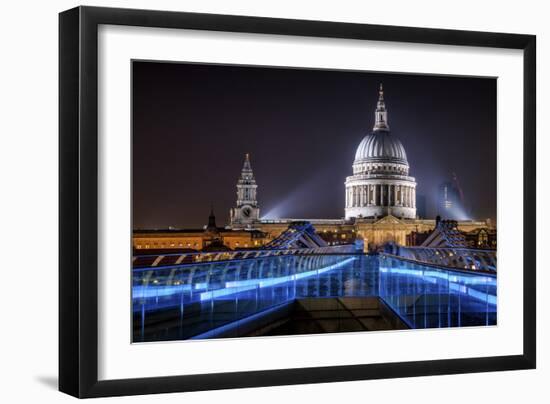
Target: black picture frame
(78,206)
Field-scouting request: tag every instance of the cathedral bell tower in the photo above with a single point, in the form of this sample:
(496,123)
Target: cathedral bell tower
(246,212)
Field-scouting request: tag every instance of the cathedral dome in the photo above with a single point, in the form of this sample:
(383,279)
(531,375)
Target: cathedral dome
(380,184)
(380,147)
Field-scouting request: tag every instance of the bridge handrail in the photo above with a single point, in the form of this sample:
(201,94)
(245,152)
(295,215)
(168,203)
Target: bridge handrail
(488,250)
(239,255)
(459,257)
(442,267)
(234,251)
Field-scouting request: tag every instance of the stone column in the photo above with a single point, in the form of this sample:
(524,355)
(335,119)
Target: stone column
(368,195)
(347,193)
(399,200)
(398,195)
(371,197)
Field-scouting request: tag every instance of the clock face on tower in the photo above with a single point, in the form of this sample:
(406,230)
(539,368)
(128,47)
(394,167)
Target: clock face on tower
(246,211)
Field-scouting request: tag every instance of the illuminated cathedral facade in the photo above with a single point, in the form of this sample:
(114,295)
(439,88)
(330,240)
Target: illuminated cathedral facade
(380,184)
(380,196)
(380,203)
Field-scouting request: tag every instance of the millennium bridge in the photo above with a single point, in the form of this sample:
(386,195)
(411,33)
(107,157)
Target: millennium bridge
(297,284)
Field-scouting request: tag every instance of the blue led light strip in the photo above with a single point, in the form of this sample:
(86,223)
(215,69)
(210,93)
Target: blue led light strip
(250,284)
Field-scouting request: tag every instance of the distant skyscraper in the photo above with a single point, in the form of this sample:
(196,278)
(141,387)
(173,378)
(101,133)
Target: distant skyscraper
(247,211)
(450,203)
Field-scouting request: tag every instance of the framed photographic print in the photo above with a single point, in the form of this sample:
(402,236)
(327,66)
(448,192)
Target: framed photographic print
(251,201)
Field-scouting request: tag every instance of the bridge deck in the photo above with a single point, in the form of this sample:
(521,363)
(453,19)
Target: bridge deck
(182,301)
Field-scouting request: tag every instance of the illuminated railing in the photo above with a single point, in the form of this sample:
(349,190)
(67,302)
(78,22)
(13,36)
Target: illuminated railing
(159,260)
(383,176)
(201,296)
(431,297)
(459,258)
(192,300)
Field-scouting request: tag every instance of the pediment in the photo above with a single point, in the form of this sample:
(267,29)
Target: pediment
(389,220)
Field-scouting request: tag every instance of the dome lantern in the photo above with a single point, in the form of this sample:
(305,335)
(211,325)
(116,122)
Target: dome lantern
(381,115)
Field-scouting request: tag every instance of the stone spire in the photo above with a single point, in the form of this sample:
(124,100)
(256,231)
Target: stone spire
(381,115)
(246,166)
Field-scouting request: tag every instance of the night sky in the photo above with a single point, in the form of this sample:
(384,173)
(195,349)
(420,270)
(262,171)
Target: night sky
(193,124)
